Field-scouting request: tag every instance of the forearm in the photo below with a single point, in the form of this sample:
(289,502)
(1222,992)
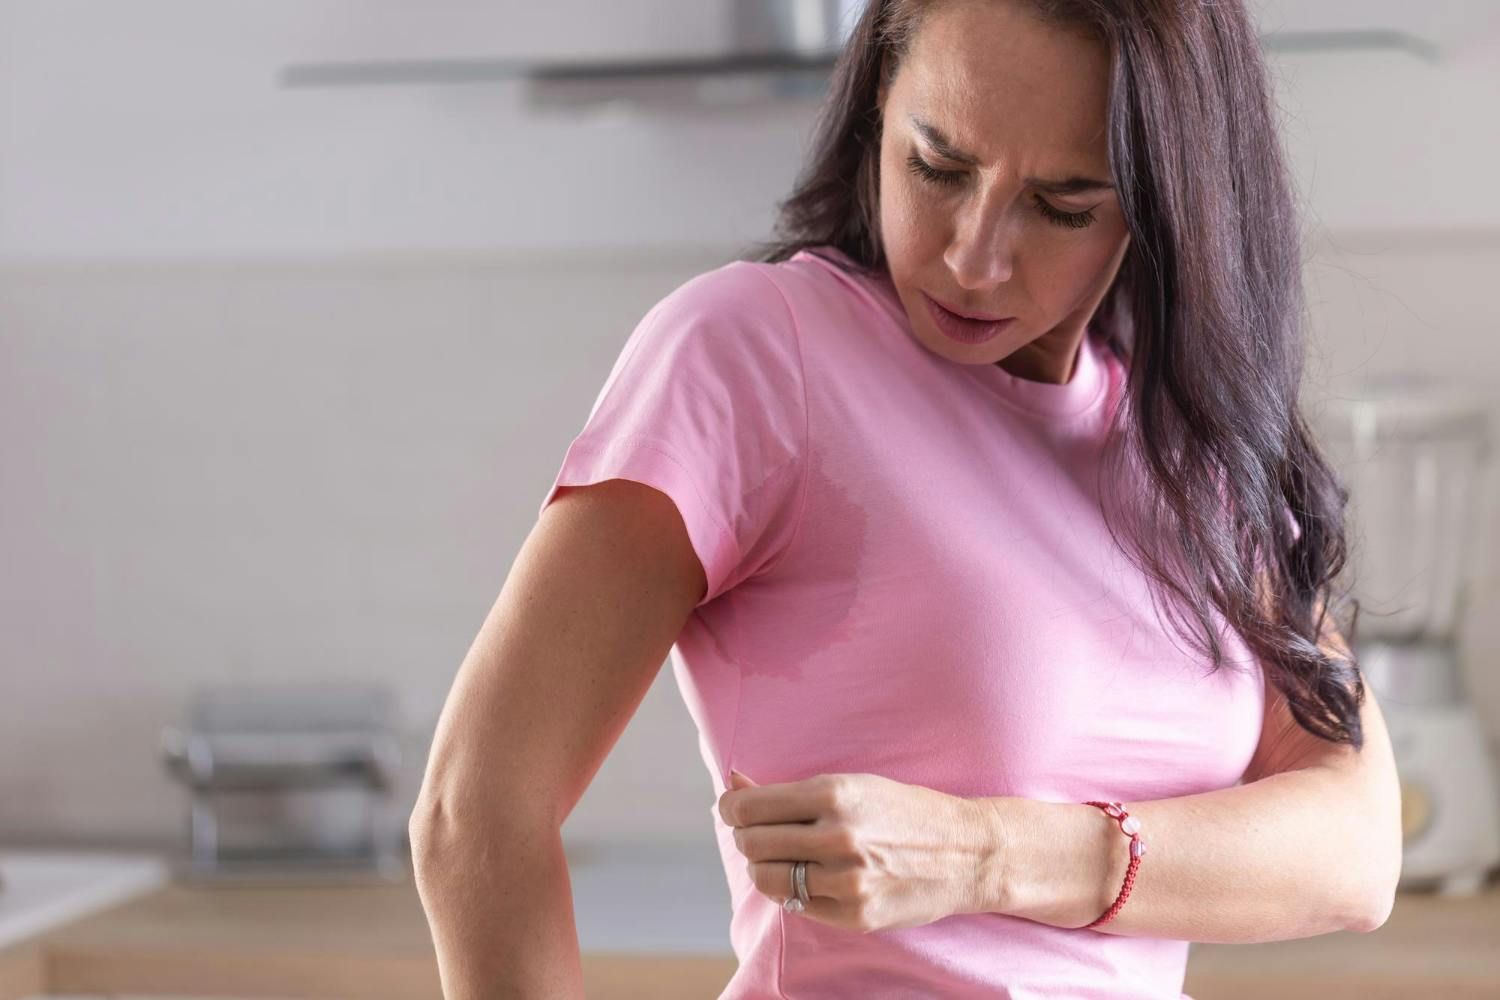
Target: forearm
(1289,856)
(500,908)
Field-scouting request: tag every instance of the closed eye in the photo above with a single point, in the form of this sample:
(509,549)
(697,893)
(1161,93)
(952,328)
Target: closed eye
(948,178)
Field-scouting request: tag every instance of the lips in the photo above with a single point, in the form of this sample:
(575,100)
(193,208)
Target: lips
(969,313)
(965,331)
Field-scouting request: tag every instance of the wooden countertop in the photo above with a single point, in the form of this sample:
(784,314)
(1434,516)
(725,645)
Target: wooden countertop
(371,942)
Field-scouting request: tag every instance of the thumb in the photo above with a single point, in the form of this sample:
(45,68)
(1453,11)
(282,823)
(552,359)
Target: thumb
(738,780)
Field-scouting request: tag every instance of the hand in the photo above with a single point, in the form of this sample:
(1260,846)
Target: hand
(880,853)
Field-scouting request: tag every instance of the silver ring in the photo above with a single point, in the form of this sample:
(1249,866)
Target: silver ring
(797,902)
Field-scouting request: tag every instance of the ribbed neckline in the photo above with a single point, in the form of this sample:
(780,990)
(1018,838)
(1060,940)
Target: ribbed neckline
(1080,394)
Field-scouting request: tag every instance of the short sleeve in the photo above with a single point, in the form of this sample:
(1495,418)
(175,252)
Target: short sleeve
(706,403)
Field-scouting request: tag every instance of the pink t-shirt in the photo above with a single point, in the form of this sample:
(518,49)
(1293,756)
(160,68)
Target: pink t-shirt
(908,575)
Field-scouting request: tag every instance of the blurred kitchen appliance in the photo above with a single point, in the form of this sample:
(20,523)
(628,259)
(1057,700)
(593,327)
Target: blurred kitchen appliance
(1415,456)
(776,51)
(773,50)
(257,750)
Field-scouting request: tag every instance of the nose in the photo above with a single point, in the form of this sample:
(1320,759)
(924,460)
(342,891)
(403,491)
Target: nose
(982,252)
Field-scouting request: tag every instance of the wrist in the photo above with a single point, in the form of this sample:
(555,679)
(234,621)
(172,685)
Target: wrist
(987,881)
(1057,863)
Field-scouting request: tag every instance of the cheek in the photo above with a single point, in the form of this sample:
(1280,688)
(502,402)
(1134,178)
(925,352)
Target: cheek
(1074,273)
(910,225)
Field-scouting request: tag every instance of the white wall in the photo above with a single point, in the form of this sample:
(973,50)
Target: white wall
(285,374)
(156,130)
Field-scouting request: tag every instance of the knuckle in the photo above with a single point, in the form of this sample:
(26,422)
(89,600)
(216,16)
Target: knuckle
(835,792)
(843,842)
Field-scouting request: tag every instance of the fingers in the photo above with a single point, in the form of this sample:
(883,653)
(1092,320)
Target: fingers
(790,802)
(826,903)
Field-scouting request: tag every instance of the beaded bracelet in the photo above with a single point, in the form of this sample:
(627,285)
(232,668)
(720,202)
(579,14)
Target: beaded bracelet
(1130,826)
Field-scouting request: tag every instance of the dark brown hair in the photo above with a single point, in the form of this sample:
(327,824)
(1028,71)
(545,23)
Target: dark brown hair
(1206,312)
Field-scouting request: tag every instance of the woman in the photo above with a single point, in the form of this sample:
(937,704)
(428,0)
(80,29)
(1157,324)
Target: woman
(982,604)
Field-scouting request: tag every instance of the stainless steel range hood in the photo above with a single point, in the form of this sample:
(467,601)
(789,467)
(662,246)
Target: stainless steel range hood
(729,79)
(780,49)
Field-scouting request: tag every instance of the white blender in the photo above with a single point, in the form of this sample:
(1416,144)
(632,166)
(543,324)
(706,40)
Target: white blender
(1414,455)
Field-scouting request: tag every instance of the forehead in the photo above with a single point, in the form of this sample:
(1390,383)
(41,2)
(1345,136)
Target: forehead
(997,80)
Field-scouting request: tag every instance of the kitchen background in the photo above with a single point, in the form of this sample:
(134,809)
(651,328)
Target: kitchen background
(285,371)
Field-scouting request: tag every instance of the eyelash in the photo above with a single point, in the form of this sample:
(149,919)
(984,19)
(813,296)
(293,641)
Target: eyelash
(929,173)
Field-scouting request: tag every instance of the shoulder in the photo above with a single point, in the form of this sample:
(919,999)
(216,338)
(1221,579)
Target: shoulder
(784,307)
(735,317)
(810,279)
(739,292)
(827,291)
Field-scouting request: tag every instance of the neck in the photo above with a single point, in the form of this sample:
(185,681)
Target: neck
(1043,361)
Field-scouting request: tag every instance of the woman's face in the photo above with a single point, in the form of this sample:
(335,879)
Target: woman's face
(1027,103)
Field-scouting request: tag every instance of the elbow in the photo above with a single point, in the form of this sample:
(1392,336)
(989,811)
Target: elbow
(1387,868)
(441,848)
(422,826)
(433,830)
(1379,902)
(443,835)
(1385,843)
(1376,913)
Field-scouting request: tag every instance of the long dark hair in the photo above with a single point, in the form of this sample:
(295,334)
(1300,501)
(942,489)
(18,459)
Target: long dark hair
(1206,311)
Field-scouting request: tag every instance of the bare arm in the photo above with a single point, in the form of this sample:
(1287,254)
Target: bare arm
(1291,855)
(592,605)
(1309,844)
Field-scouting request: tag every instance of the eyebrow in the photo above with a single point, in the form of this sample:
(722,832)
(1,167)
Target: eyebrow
(946,149)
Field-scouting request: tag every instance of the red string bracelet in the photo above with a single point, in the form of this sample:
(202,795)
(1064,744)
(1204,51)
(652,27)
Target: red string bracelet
(1131,827)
